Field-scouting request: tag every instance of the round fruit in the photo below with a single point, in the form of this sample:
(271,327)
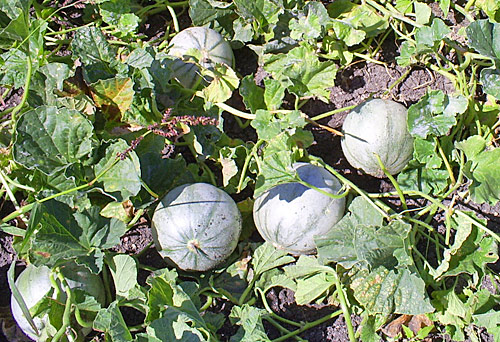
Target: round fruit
(196,226)
(34,284)
(213,47)
(290,215)
(377,127)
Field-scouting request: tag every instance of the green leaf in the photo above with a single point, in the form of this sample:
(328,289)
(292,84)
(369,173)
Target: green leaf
(349,244)
(243,31)
(250,319)
(472,146)
(268,126)
(475,252)
(302,73)
(344,246)
(489,320)
(91,47)
(117,13)
(262,13)
(272,278)
(140,58)
(367,19)
(490,79)
(425,153)
(110,321)
(13,68)
(124,271)
(160,294)
(421,178)
(223,80)
(484,37)
(174,326)
(274,93)
(483,170)
(306,266)
(267,257)
(50,139)
(15,22)
(202,12)
(123,179)
(309,289)
(63,234)
(390,291)
(252,94)
(434,114)
(463,229)
(428,36)
(422,12)
(311,23)
(491,8)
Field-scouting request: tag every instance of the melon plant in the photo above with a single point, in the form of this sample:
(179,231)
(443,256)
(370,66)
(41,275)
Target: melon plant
(377,127)
(196,226)
(34,283)
(212,46)
(290,215)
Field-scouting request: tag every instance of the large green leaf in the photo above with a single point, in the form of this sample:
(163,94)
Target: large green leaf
(435,114)
(311,23)
(123,179)
(313,279)
(15,21)
(483,170)
(202,12)
(91,47)
(124,271)
(302,73)
(485,38)
(50,139)
(172,312)
(63,234)
(342,245)
(262,13)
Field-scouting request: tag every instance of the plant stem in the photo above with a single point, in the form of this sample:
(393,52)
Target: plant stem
(308,326)
(66,319)
(391,12)
(26,89)
(332,112)
(446,162)
(272,314)
(377,206)
(393,181)
(235,111)
(30,206)
(281,328)
(344,307)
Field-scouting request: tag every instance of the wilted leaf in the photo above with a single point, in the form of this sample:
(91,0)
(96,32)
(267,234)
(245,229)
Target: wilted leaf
(250,319)
(114,96)
(390,291)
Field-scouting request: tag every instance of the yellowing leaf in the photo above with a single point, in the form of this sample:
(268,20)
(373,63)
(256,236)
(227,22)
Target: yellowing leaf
(113,96)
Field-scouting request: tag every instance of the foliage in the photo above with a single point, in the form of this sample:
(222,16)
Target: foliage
(103,129)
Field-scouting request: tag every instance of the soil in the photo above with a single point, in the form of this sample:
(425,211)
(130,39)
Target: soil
(353,84)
